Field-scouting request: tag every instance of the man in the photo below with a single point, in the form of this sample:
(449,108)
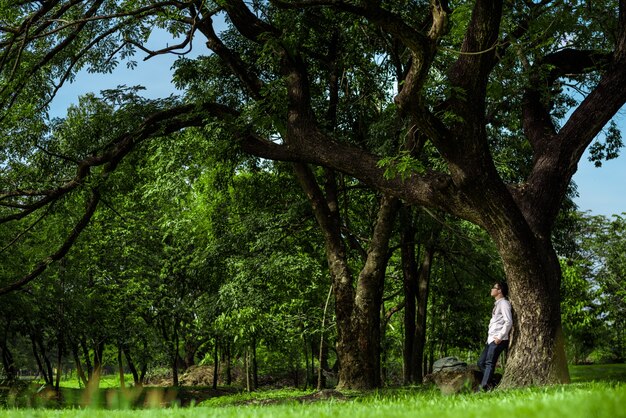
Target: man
(498,336)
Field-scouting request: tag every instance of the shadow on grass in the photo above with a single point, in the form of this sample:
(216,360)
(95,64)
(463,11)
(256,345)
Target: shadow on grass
(598,373)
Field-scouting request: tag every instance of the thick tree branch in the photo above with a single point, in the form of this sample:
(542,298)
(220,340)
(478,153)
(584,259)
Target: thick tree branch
(247,23)
(536,118)
(236,65)
(557,155)
(471,71)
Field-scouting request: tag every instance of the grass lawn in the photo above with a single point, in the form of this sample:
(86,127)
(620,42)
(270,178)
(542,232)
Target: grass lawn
(596,391)
(598,373)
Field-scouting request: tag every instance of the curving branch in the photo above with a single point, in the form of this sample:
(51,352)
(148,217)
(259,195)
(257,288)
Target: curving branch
(92,204)
(158,124)
(247,23)
(232,60)
(536,118)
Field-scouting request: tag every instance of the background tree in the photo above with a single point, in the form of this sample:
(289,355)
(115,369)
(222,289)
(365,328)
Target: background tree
(501,72)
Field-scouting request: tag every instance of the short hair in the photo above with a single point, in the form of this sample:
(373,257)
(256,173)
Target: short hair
(504,288)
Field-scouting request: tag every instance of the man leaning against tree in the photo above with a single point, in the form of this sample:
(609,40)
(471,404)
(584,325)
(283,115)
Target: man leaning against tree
(498,335)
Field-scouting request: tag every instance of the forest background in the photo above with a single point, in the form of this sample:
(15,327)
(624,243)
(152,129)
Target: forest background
(199,253)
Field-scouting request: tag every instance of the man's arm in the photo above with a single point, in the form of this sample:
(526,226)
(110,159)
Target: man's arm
(507,315)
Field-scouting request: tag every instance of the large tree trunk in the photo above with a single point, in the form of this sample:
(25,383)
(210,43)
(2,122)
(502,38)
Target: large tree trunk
(537,351)
(357,310)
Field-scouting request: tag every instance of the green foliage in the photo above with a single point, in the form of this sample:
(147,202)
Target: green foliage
(195,243)
(609,149)
(593,303)
(403,165)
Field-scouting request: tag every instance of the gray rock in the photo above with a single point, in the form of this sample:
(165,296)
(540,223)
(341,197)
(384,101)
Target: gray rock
(448,364)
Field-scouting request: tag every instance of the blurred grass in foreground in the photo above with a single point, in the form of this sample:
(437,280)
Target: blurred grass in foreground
(597,391)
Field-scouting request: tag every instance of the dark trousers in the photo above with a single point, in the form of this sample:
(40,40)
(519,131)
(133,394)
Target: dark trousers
(488,359)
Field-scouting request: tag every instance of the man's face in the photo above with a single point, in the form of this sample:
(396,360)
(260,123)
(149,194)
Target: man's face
(495,290)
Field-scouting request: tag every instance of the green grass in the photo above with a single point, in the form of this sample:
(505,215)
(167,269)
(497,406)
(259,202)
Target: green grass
(598,372)
(597,391)
(577,400)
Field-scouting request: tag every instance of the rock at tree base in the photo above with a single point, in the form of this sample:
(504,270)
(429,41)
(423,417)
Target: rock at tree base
(454,376)
(449,363)
(455,381)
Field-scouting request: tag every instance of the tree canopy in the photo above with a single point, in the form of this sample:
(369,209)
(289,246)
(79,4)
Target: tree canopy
(478,109)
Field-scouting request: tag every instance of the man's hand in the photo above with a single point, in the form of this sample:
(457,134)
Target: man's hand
(497,340)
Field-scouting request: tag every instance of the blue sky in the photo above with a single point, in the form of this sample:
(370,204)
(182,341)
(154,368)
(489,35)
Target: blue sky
(602,191)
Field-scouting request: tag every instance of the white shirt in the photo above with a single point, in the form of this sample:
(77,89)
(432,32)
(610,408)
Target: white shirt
(501,321)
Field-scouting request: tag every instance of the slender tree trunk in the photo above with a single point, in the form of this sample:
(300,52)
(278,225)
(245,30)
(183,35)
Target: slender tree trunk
(175,356)
(409,274)
(321,380)
(423,286)
(144,362)
(7,361)
(131,366)
(229,375)
(47,367)
(142,374)
(255,365)
(39,360)
(359,346)
(215,363)
(79,367)
(246,361)
(307,376)
(98,351)
(88,364)
(60,350)
(120,365)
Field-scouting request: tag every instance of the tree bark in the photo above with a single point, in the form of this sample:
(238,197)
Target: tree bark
(215,363)
(227,358)
(39,351)
(537,351)
(88,364)
(357,310)
(79,367)
(255,365)
(409,275)
(120,365)
(60,350)
(38,359)
(175,355)
(7,361)
(423,289)
(323,350)
(98,351)
(131,366)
